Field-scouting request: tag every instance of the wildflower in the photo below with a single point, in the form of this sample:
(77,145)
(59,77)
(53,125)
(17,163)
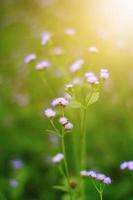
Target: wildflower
(58,51)
(58,158)
(100,177)
(13,183)
(63,120)
(92,174)
(68,126)
(93,49)
(45,38)
(124,165)
(30,58)
(107,180)
(60,101)
(127,165)
(70,31)
(104,74)
(91,78)
(49,112)
(97,176)
(17,164)
(76,65)
(42,65)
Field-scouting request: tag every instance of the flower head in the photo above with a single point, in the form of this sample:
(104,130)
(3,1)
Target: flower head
(76,65)
(58,158)
(43,65)
(45,38)
(104,74)
(91,78)
(60,101)
(127,165)
(49,112)
(29,58)
(107,180)
(63,120)
(17,164)
(13,183)
(97,176)
(68,126)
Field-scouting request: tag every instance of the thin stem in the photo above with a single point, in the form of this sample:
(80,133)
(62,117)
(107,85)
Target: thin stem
(47,85)
(65,162)
(56,130)
(83,140)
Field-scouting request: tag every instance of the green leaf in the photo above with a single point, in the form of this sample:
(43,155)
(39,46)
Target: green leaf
(61,188)
(75,104)
(93,98)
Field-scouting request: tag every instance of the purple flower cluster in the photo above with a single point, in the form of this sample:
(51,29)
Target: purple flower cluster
(97,176)
(127,165)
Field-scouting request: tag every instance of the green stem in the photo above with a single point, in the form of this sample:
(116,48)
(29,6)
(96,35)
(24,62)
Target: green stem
(56,130)
(83,140)
(65,162)
(101,195)
(47,85)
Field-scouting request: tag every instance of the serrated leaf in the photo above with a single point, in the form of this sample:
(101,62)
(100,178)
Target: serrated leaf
(61,188)
(75,104)
(93,98)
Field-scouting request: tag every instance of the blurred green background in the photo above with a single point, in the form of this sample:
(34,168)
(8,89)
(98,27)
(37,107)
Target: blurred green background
(23,95)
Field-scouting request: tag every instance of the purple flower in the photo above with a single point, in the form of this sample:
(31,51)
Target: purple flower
(76,65)
(46,36)
(49,112)
(104,74)
(13,183)
(60,101)
(43,65)
(17,164)
(107,180)
(29,58)
(127,165)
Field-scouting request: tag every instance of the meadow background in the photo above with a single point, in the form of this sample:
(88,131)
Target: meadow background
(23,95)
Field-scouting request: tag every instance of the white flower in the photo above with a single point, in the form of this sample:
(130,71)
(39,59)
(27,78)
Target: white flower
(29,58)
(104,74)
(68,86)
(83,173)
(42,65)
(58,51)
(70,31)
(68,126)
(60,101)
(130,165)
(45,38)
(58,158)
(49,112)
(63,120)
(93,49)
(76,65)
